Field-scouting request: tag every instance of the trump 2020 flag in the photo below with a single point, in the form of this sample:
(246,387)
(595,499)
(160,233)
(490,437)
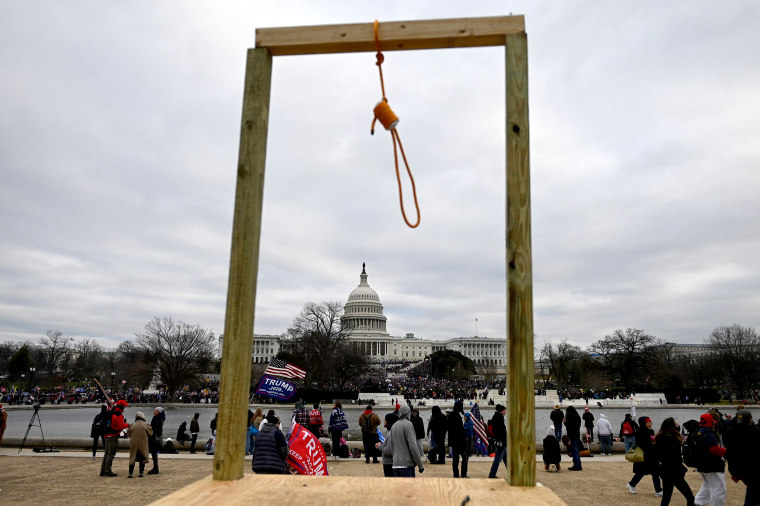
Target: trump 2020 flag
(282,369)
(305,452)
(481,437)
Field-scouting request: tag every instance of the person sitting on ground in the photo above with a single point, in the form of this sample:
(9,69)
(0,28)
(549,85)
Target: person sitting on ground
(552,455)
(182,434)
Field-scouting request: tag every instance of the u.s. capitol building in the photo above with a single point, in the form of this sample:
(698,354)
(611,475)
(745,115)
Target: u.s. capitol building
(366,327)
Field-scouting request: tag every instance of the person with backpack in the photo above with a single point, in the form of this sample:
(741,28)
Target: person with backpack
(710,465)
(667,444)
(650,465)
(98,429)
(628,431)
(336,426)
(369,422)
(114,425)
(315,420)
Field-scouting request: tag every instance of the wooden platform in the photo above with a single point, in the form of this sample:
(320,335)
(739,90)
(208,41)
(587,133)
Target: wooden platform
(321,490)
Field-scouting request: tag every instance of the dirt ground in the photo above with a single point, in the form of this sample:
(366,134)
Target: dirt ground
(73,477)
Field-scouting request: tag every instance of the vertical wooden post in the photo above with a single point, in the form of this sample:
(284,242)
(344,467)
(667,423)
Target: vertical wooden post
(234,388)
(521,403)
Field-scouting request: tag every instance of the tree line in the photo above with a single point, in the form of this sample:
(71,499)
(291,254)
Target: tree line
(632,359)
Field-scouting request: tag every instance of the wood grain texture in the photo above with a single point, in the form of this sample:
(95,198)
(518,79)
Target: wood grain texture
(394,35)
(321,490)
(520,397)
(244,263)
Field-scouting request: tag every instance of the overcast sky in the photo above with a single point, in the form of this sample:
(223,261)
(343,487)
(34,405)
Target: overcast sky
(119,133)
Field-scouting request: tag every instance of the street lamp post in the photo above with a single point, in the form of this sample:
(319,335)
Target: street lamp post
(113,375)
(31,376)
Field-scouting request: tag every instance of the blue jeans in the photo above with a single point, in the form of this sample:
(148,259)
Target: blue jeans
(629,441)
(606,443)
(403,472)
(575,448)
(558,431)
(500,454)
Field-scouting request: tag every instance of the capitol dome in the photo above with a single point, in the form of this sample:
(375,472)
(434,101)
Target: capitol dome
(363,312)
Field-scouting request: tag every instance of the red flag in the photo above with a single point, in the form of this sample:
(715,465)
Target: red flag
(305,452)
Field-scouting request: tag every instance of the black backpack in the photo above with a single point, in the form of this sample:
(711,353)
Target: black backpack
(692,449)
(367,426)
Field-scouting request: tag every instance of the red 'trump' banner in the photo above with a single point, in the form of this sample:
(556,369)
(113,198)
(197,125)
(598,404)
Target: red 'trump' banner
(305,452)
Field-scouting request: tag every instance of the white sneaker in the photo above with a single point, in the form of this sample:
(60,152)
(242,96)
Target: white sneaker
(658,494)
(631,489)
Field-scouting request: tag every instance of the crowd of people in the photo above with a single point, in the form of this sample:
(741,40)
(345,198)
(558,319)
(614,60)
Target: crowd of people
(706,445)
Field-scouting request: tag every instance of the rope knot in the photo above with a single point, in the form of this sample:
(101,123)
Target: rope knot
(380,59)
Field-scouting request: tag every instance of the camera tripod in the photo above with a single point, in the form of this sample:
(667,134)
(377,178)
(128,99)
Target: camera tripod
(36,415)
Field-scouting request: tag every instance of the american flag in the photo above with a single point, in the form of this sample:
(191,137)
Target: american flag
(281,368)
(481,437)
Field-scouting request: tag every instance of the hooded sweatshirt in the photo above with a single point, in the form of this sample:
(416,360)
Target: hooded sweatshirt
(603,426)
(403,441)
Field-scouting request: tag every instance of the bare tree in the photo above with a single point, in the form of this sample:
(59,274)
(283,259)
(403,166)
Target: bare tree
(179,350)
(738,350)
(54,347)
(562,360)
(627,356)
(89,358)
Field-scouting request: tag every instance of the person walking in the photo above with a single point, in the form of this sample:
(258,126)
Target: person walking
(436,429)
(742,450)
(556,416)
(116,424)
(457,444)
(604,428)
(710,465)
(139,434)
(156,441)
(336,426)
(271,449)
(645,441)
(369,422)
(97,431)
(588,423)
(195,428)
(403,446)
(499,428)
(573,429)
(667,444)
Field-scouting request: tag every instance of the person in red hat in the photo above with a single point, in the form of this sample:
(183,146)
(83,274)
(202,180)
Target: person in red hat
(113,429)
(711,465)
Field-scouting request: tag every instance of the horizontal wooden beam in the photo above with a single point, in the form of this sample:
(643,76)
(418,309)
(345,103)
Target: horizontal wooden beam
(394,35)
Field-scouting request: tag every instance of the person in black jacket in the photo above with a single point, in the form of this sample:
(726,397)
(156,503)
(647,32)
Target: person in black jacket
(742,450)
(588,422)
(155,442)
(573,428)
(98,428)
(271,449)
(556,416)
(552,455)
(710,464)
(457,444)
(644,440)
(499,440)
(437,428)
(667,445)
(419,428)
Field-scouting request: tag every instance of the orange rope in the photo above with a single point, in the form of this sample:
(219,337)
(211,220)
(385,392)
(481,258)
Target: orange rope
(389,120)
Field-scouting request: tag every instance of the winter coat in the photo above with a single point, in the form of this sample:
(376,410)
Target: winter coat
(138,433)
(271,451)
(588,420)
(98,424)
(455,428)
(374,422)
(498,427)
(468,427)
(710,460)
(742,450)
(403,441)
(157,424)
(633,425)
(603,426)
(437,425)
(572,423)
(552,454)
(668,450)
(194,427)
(118,424)
(557,416)
(419,426)
(337,421)
(644,441)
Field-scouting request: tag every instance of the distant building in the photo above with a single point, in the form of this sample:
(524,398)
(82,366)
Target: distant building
(366,327)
